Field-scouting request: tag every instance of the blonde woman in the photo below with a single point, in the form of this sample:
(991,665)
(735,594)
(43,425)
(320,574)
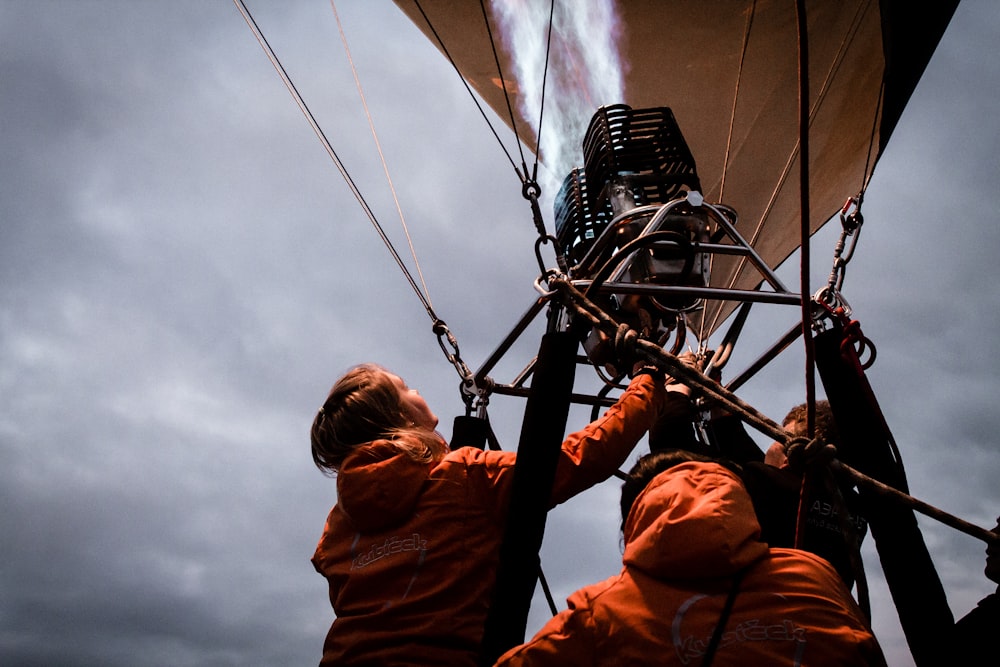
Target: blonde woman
(410,550)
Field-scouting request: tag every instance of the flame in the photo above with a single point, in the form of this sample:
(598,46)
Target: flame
(585,72)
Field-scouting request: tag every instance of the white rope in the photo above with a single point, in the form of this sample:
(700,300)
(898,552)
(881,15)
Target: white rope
(333,155)
(378,146)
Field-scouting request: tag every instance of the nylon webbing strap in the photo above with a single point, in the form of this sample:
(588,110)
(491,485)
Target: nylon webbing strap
(469,432)
(867,445)
(865,441)
(542,432)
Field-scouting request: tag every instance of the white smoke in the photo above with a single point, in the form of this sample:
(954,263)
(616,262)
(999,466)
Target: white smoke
(584,72)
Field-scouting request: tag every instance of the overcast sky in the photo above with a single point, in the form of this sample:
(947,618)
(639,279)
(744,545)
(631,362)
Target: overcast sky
(184,273)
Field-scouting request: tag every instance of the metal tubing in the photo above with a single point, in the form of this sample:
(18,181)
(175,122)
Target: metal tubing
(507,342)
(720,293)
(766,358)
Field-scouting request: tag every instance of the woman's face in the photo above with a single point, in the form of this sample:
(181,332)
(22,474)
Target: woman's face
(414,405)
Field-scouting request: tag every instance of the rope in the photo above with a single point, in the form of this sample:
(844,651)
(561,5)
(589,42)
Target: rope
(805,455)
(329,149)
(736,98)
(378,146)
(439,327)
(656,355)
(575,300)
(897,496)
(786,170)
(804,254)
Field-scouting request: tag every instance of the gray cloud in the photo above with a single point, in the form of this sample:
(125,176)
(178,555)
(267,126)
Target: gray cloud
(183,273)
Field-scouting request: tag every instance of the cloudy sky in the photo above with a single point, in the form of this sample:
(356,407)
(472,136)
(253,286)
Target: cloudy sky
(185,273)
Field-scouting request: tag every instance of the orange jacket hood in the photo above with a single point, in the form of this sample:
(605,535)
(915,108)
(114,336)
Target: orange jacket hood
(702,506)
(790,607)
(378,486)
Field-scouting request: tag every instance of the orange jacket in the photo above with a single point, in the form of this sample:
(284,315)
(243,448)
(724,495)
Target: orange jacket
(690,531)
(410,550)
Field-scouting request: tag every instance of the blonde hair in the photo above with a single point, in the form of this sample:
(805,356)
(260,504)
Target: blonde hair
(363,406)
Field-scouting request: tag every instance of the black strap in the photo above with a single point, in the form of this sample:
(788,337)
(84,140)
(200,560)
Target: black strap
(867,444)
(542,430)
(468,431)
(721,625)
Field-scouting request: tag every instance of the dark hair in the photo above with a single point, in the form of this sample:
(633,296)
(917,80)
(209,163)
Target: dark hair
(363,406)
(826,425)
(652,464)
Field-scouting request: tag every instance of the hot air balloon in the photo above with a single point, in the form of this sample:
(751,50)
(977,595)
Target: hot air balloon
(735,132)
(741,129)
(729,74)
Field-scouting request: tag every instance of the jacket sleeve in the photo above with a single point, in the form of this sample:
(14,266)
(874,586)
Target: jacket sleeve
(592,454)
(567,639)
(586,457)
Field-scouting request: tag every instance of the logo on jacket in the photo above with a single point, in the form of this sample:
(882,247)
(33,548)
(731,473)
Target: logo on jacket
(692,647)
(392,545)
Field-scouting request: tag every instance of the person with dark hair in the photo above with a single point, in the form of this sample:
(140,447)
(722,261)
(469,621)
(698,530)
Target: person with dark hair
(699,587)
(410,551)
(796,423)
(972,639)
(776,489)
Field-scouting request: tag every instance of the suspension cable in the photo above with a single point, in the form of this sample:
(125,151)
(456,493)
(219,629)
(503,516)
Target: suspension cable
(503,85)
(530,189)
(632,344)
(378,146)
(736,97)
(439,327)
(329,149)
(804,254)
(729,144)
(545,79)
(850,36)
(479,106)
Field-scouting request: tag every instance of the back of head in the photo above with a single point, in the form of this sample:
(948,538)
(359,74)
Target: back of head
(826,427)
(362,406)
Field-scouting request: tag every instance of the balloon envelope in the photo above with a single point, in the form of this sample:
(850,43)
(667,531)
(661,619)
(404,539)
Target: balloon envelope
(729,70)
